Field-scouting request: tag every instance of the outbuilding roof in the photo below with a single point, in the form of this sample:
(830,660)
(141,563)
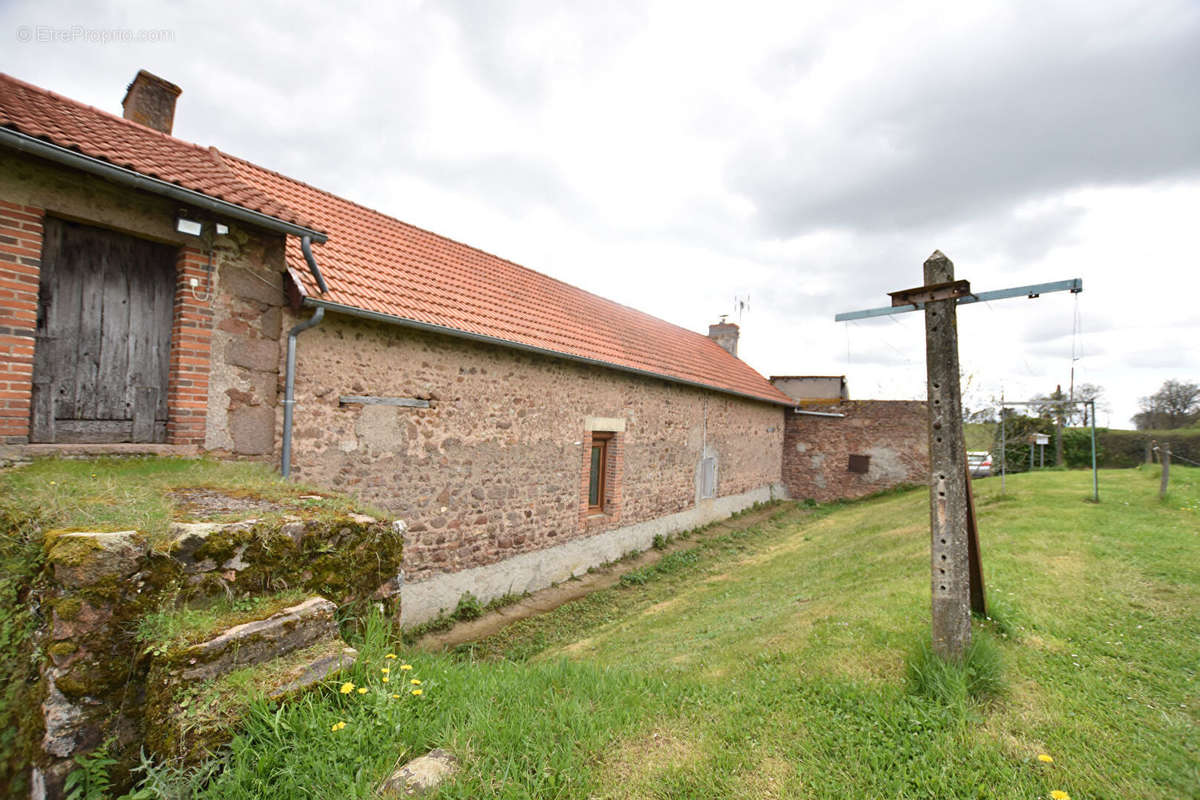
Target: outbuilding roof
(374,263)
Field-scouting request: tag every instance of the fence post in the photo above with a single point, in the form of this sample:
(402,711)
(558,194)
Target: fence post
(1164,455)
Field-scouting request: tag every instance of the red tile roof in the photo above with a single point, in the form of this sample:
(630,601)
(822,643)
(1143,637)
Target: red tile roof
(379,264)
(44,115)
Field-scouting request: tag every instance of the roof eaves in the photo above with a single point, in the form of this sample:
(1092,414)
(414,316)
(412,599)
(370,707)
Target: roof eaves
(480,337)
(33,145)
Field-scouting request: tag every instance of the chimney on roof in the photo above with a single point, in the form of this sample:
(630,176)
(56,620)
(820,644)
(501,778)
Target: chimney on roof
(725,334)
(150,101)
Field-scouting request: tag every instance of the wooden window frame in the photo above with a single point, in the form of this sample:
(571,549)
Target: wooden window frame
(599,439)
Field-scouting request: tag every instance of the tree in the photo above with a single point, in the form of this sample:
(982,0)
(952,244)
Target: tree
(1087,391)
(1175,405)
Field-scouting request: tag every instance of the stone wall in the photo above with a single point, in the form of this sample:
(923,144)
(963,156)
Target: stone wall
(97,585)
(817,450)
(225,354)
(494,467)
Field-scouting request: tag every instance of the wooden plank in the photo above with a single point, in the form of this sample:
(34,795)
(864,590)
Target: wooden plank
(145,405)
(114,396)
(405,402)
(88,268)
(43,413)
(92,431)
(164,319)
(975,567)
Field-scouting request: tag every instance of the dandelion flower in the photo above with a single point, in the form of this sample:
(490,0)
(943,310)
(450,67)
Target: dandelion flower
(386,679)
(1059,794)
(418,692)
(415,682)
(53,483)
(390,655)
(385,670)
(395,697)
(1045,758)
(406,666)
(337,726)
(362,690)
(347,688)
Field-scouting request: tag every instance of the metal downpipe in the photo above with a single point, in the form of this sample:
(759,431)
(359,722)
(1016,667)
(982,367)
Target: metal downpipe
(289,392)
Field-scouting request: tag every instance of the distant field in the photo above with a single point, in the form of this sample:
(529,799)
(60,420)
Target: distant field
(770,662)
(980,435)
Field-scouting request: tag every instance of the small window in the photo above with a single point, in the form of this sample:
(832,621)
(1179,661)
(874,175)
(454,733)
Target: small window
(860,464)
(599,466)
(708,478)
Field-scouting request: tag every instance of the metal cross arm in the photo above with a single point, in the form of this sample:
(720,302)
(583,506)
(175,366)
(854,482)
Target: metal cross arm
(960,291)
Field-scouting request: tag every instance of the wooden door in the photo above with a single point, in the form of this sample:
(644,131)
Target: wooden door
(103,336)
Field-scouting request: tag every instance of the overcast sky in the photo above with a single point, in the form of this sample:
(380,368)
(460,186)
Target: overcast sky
(674,156)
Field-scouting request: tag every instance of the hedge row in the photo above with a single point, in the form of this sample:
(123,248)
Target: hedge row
(1114,448)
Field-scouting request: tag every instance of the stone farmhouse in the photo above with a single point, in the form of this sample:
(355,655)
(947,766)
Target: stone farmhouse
(159,296)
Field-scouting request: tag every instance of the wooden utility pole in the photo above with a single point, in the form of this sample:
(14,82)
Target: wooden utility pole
(947,452)
(957,573)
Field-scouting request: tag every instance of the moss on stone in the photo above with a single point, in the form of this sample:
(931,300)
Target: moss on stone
(67,607)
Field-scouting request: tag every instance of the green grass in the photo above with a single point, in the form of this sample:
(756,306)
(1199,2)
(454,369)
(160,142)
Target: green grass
(125,493)
(174,626)
(786,660)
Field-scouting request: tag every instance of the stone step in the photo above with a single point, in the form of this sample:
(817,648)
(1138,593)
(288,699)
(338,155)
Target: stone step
(293,628)
(188,721)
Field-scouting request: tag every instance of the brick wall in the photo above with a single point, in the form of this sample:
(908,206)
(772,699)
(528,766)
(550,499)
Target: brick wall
(20,259)
(496,467)
(191,352)
(21,253)
(817,450)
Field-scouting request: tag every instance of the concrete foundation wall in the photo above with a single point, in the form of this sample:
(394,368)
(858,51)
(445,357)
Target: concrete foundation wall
(817,450)
(495,467)
(529,572)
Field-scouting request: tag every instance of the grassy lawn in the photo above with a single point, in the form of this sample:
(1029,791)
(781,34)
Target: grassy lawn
(125,493)
(771,662)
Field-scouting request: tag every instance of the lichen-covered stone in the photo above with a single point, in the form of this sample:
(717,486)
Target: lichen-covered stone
(420,776)
(81,558)
(255,642)
(188,720)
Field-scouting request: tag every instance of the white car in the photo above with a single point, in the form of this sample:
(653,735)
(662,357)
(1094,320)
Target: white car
(980,463)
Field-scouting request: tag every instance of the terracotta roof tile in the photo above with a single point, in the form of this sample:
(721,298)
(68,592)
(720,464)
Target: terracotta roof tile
(376,263)
(42,114)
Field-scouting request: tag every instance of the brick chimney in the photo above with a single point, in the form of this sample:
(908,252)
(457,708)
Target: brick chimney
(150,101)
(725,334)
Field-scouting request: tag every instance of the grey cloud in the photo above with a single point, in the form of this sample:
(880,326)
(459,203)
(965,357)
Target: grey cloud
(981,135)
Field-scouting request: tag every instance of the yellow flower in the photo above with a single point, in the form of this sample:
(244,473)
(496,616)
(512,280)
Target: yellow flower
(418,691)
(362,690)
(52,483)
(386,679)
(1045,758)
(385,670)
(347,688)
(415,682)
(406,666)
(395,697)
(390,655)
(337,726)
(1059,794)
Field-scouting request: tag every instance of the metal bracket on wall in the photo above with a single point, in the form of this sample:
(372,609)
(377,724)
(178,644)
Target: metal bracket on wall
(405,402)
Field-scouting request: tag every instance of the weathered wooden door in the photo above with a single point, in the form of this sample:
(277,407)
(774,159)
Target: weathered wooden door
(103,336)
